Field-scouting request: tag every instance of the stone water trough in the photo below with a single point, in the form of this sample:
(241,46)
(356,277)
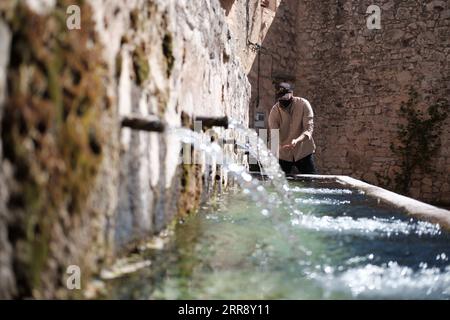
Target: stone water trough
(409,206)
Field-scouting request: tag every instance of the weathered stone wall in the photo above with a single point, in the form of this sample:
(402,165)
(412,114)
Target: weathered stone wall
(276,61)
(57,162)
(6,274)
(81,189)
(195,71)
(356,80)
(249,22)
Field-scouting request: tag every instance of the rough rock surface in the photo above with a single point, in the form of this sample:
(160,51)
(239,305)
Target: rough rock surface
(159,57)
(249,23)
(195,71)
(7,287)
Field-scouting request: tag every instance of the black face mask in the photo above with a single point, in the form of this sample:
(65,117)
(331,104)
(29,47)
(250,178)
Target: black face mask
(285,103)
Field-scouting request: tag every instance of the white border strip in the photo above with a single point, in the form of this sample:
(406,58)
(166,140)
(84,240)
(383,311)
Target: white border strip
(411,206)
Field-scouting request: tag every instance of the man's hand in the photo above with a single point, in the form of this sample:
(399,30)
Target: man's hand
(287,147)
(294,143)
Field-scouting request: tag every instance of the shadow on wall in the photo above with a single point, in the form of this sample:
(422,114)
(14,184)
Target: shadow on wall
(227,5)
(275,62)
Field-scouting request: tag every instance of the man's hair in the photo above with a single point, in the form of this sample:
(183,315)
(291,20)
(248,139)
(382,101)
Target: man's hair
(285,86)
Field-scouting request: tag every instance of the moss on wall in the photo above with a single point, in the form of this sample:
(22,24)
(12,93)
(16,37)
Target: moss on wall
(167,48)
(50,129)
(140,65)
(191,189)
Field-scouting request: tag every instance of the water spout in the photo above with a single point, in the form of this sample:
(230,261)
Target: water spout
(147,123)
(209,122)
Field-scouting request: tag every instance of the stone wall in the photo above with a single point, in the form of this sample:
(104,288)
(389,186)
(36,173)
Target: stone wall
(195,71)
(79,189)
(6,273)
(276,61)
(56,117)
(356,80)
(249,22)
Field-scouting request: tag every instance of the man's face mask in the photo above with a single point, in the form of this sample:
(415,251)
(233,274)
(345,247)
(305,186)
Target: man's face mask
(285,103)
(285,99)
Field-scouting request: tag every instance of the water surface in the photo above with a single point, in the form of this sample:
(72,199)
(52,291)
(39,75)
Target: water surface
(343,245)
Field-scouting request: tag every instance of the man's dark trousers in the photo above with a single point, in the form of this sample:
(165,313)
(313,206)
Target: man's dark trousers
(304,166)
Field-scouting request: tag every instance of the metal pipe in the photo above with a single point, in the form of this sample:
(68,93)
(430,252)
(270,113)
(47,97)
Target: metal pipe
(147,123)
(206,122)
(209,122)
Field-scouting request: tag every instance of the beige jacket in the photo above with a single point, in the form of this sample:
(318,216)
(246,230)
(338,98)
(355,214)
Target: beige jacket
(293,122)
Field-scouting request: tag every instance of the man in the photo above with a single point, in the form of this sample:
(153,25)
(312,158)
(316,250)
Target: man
(293,116)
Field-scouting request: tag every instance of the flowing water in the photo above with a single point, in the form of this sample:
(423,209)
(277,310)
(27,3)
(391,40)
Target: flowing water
(349,246)
(298,240)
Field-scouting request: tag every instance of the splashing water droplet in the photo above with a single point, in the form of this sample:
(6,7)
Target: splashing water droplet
(247,177)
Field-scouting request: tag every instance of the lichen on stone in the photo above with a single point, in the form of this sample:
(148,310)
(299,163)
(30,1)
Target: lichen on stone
(167,47)
(50,130)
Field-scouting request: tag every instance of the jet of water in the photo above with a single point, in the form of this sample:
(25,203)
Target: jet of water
(272,204)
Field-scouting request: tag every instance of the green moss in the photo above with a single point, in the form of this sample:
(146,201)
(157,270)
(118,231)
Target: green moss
(167,48)
(134,19)
(140,65)
(191,187)
(51,132)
